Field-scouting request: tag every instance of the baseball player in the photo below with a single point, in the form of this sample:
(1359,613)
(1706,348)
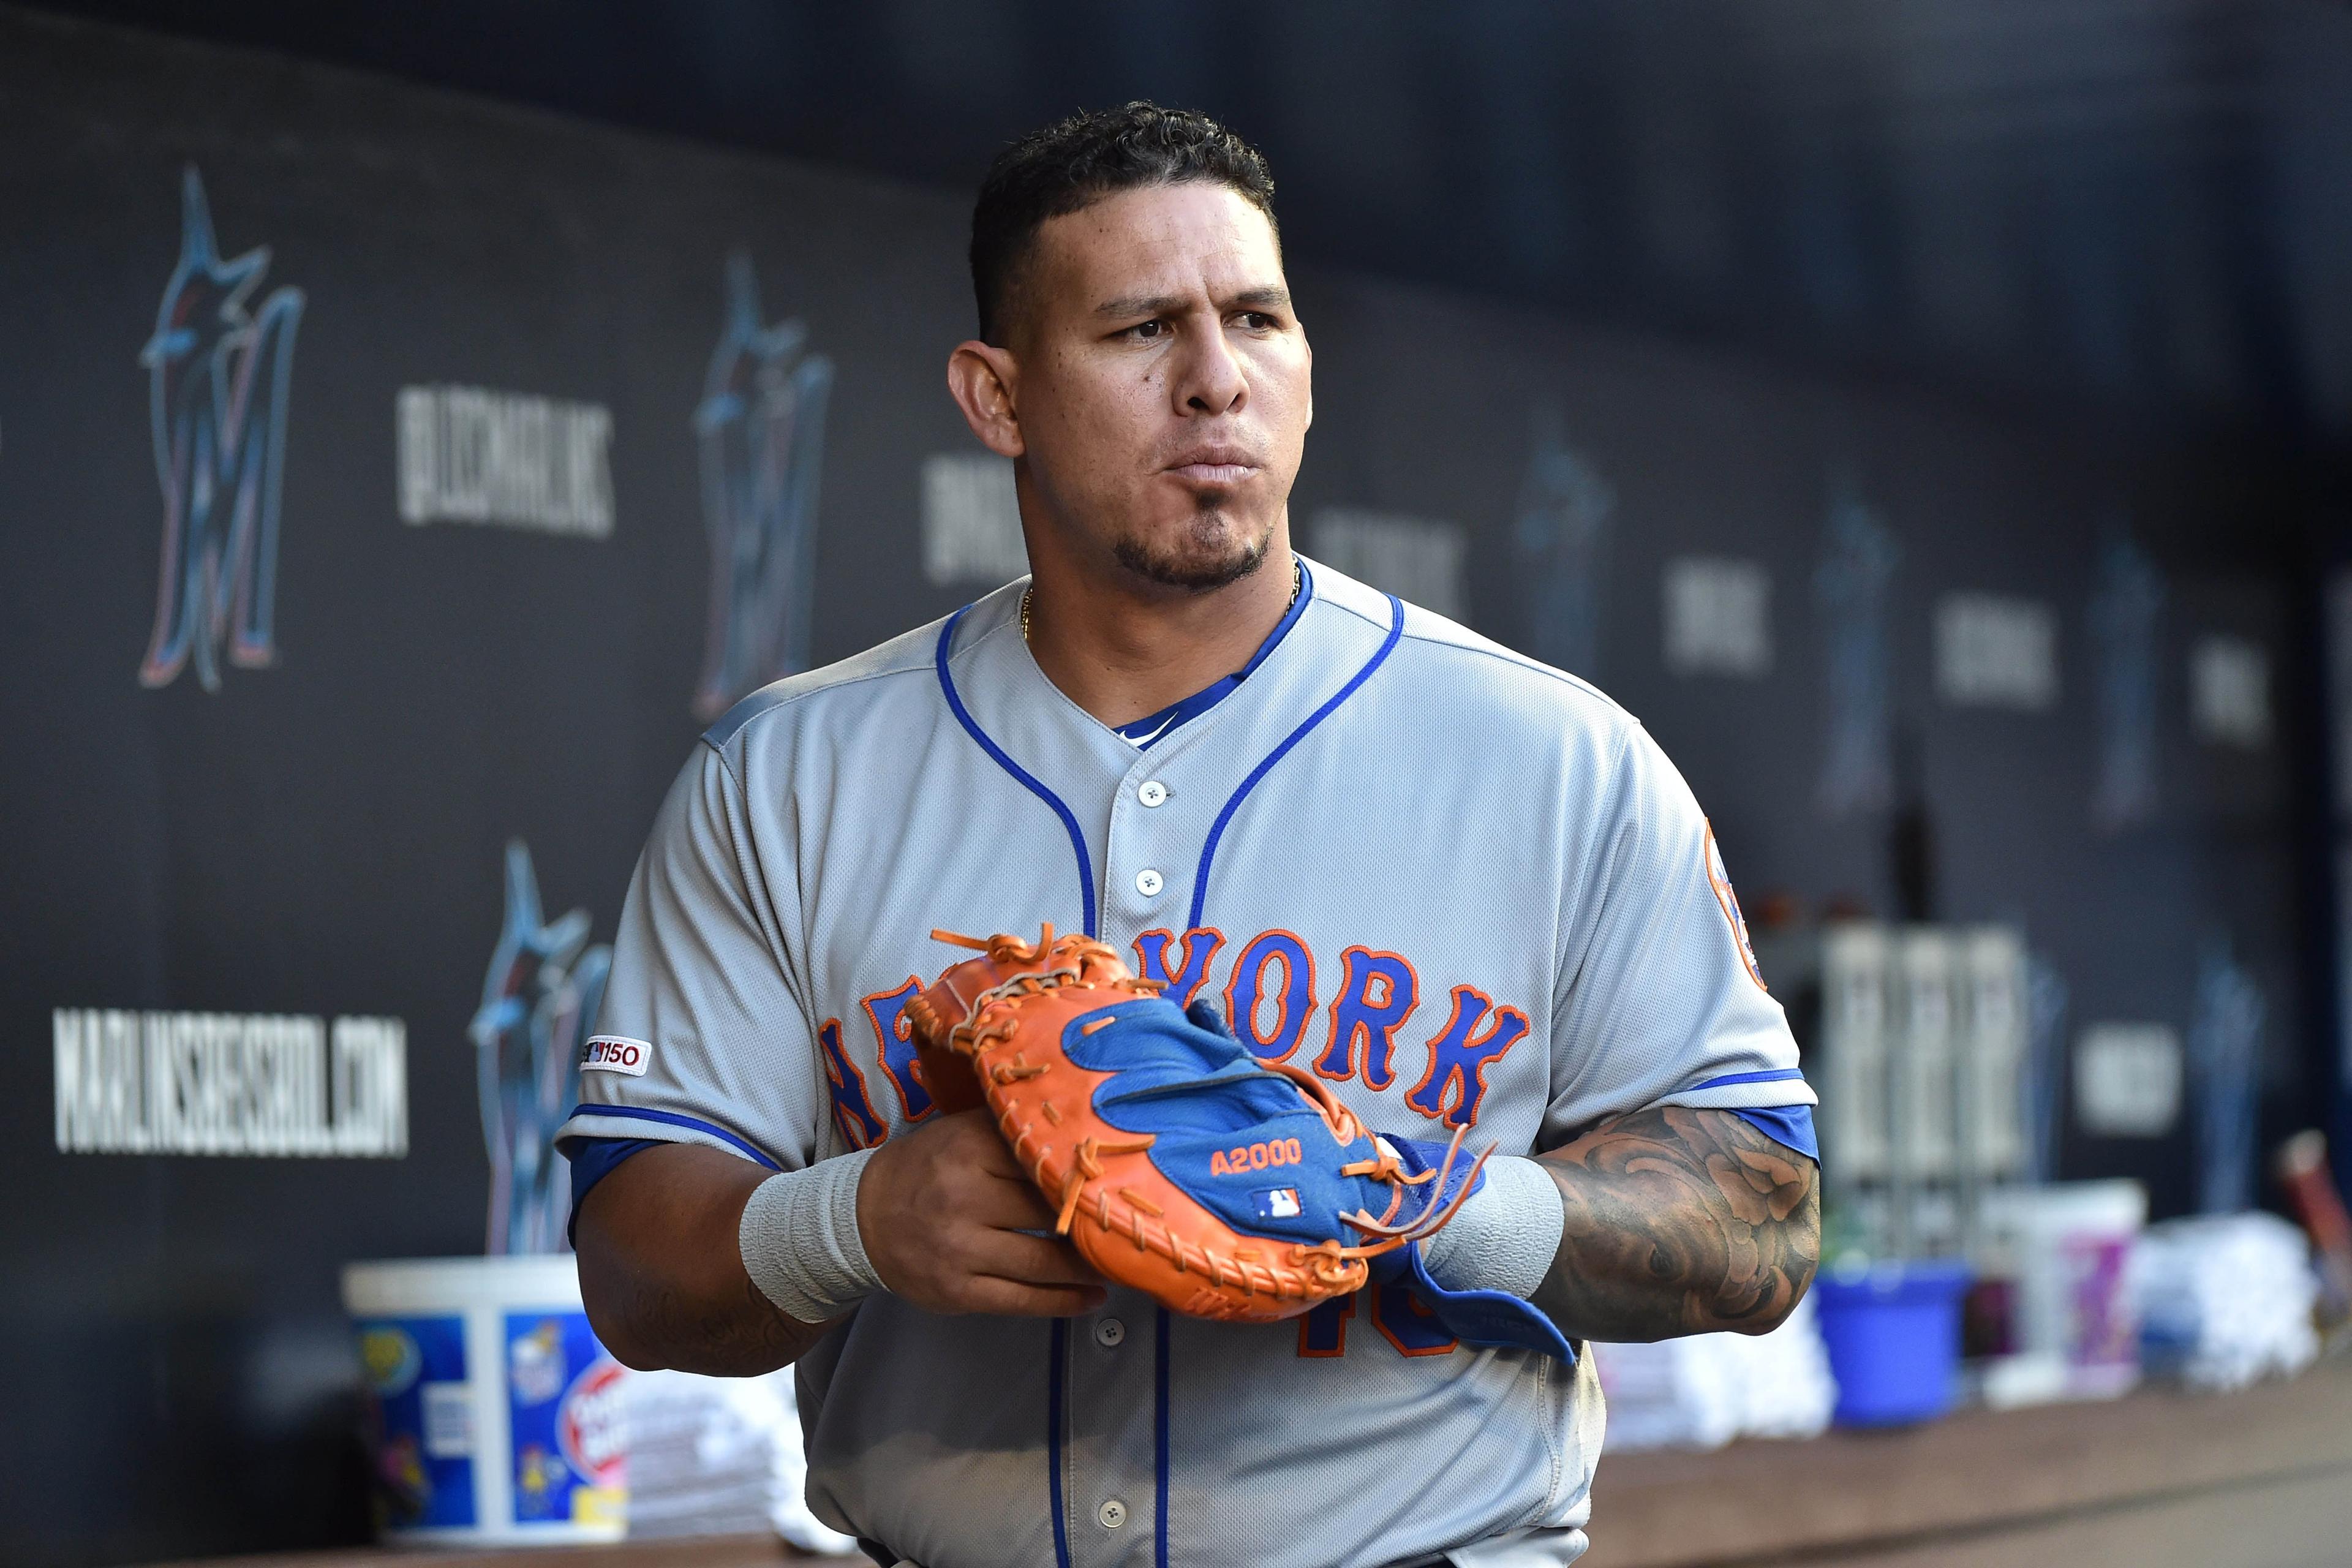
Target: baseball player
(1467,891)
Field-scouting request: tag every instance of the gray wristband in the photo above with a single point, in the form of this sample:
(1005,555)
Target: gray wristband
(800,1240)
(1505,1237)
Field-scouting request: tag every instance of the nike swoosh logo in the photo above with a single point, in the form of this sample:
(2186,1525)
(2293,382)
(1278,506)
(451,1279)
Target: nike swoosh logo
(1140,740)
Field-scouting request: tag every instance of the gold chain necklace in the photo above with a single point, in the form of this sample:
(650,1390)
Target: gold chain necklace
(1297,583)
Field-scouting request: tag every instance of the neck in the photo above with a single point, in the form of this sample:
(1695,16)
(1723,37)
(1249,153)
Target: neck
(1121,646)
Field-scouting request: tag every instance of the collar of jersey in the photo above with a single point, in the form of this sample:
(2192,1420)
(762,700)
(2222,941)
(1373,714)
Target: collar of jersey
(1143,733)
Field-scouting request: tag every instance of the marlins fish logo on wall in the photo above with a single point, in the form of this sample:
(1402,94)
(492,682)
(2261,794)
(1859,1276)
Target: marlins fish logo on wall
(762,427)
(218,366)
(539,998)
(1854,589)
(1560,540)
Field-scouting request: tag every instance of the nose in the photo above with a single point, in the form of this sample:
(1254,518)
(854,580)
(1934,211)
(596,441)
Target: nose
(1210,380)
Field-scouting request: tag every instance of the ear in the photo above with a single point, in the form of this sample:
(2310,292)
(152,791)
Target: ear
(981,378)
(1310,378)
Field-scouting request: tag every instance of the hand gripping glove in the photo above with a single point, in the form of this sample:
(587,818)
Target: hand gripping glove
(1177,1163)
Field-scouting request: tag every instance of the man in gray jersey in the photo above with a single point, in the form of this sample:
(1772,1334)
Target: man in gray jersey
(1466,889)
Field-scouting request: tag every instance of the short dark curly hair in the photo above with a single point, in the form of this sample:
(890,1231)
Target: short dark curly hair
(1078,161)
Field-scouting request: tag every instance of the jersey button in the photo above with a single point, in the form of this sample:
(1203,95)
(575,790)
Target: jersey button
(1148,882)
(1109,1332)
(1113,1514)
(1152,792)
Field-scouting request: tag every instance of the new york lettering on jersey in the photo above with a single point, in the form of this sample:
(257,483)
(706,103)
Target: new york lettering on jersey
(1463,888)
(1355,1031)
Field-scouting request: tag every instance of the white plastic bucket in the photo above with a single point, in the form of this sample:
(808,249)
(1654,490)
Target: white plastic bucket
(495,1417)
(2072,1246)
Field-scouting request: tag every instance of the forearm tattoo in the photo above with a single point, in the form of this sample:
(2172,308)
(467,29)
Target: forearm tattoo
(1679,1222)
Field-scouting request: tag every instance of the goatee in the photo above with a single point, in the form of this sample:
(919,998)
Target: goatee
(1200,572)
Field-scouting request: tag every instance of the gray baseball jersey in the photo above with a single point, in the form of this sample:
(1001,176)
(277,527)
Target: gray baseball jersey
(1466,888)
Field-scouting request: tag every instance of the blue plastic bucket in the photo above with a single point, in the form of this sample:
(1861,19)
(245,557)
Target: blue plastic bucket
(1893,1338)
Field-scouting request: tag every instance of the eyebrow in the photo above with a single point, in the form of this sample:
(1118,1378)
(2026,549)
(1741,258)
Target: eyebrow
(1164,304)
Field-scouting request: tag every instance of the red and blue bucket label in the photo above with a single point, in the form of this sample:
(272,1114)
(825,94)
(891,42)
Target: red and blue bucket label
(566,1412)
(422,1409)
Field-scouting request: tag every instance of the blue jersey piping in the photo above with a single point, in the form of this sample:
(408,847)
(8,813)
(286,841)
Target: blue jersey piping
(1768,1074)
(1160,1443)
(1057,1351)
(673,1119)
(1028,780)
(1217,829)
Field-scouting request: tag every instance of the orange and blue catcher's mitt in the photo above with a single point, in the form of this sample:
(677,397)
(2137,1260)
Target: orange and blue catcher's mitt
(1177,1163)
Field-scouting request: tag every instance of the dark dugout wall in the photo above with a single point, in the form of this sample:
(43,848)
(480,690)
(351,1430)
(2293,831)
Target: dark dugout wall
(289,791)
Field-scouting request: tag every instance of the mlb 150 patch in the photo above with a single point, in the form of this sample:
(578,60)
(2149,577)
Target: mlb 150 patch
(616,1053)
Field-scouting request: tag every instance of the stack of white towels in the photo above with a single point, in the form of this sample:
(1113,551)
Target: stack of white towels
(2225,1299)
(1704,1391)
(720,1456)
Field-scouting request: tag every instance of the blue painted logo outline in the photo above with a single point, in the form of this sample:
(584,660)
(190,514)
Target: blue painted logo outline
(760,426)
(218,372)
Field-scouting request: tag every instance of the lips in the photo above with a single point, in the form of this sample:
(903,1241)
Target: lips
(1213,465)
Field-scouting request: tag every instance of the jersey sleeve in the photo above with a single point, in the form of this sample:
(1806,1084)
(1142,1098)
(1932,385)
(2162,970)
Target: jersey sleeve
(703,1038)
(1659,1000)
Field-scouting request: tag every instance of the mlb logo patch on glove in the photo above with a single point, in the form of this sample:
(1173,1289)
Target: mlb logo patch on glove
(1278,1203)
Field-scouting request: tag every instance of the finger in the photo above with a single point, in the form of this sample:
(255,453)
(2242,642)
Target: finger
(969,1140)
(986,1293)
(1007,1205)
(964,1137)
(1030,1259)
(992,1156)
(1002,1193)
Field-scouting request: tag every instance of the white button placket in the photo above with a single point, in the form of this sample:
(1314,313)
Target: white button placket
(1112,1462)
(1153,842)
(1145,855)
